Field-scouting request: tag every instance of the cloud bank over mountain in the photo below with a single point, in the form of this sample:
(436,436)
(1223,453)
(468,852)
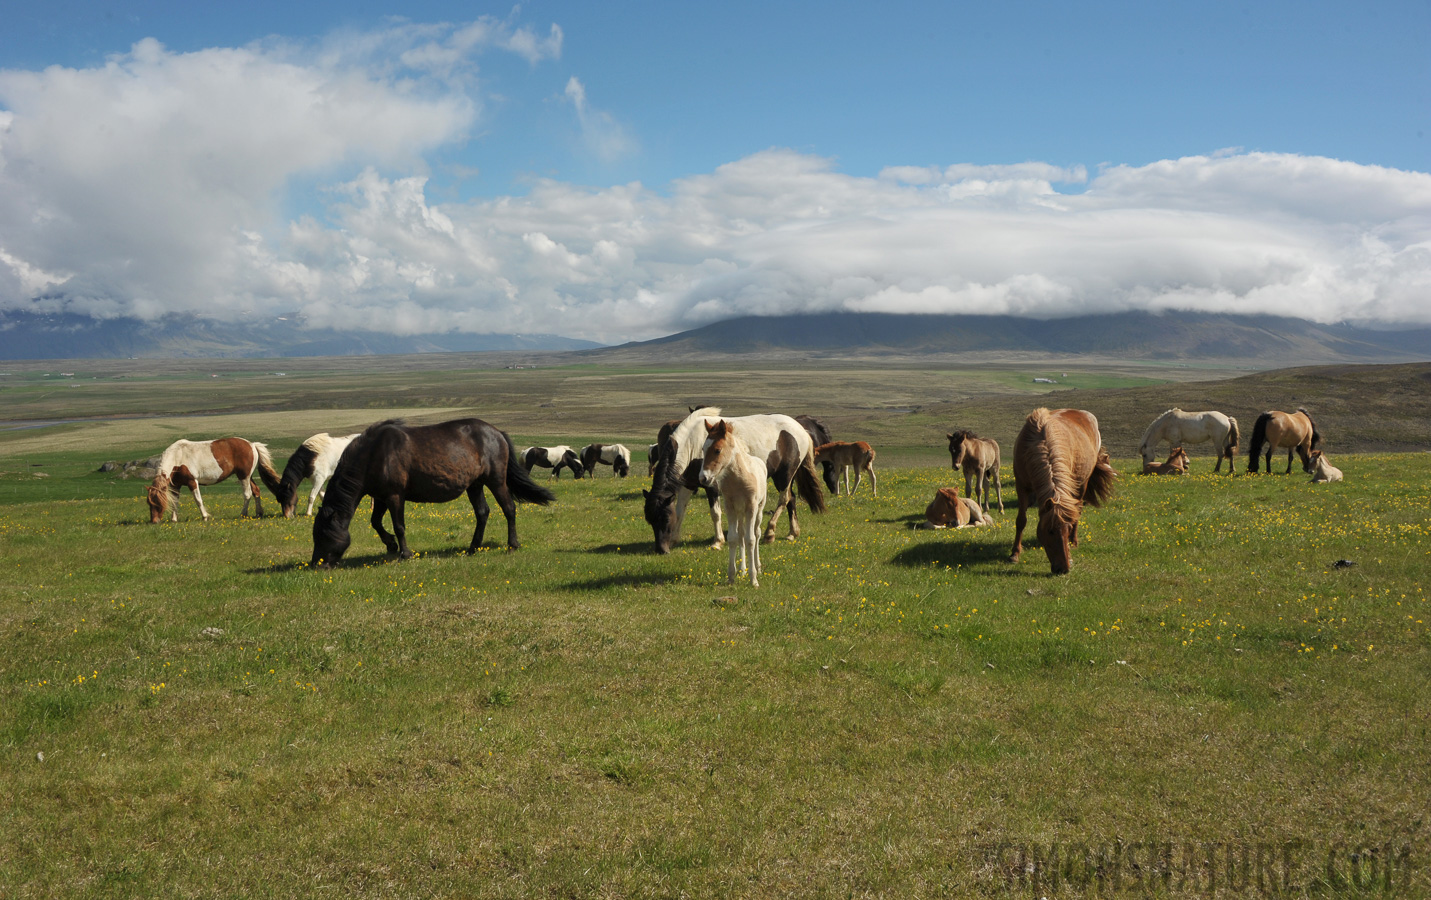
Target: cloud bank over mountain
(272,179)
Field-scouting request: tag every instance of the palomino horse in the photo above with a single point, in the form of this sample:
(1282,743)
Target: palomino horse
(949,510)
(778,440)
(554,458)
(1177,464)
(838,457)
(193,463)
(395,463)
(1322,470)
(726,463)
(1295,431)
(614,455)
(1180,428)
(979,458)
(1059,465)
(316,459)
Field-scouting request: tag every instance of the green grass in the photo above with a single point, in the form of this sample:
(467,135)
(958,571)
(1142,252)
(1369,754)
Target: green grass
(584,717)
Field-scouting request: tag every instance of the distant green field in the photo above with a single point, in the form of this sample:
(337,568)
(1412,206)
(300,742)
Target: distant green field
(187,709)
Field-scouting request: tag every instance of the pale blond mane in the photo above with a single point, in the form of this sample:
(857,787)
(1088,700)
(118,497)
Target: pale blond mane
(1046,461)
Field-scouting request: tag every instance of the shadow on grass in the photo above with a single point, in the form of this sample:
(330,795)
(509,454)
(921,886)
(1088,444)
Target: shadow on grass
(642,548)
(372,559)
(623,580)
(948,553)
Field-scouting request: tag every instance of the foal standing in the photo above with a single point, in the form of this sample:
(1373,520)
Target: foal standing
(726,464)
(838,457)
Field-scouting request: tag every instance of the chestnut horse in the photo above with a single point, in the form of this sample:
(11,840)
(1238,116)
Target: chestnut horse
(1059,465)
(194,463)
(979,458)
(1295,431)
(839,457)
(726,464)
(395,463)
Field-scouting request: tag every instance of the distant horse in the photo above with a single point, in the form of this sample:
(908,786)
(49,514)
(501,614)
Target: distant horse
(979,458)
(778,440)
(727,464)
(653,453)
(1177,464)
(395,463)
(614,455)
(194,463)
(1180,428)
(315,459)
(949,510)
(838,457)
(554,458)
(1322,470)
(1295,431)
(1059,465)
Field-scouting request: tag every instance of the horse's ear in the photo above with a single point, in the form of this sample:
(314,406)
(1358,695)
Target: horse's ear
(711,426)
(645,494)
(951,437)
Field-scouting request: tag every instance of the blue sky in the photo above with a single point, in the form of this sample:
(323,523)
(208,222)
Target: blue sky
(646,167)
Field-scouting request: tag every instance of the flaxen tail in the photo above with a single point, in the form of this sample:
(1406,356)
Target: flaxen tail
(1259,437)
(270,476)
(1232,437)
(519,479)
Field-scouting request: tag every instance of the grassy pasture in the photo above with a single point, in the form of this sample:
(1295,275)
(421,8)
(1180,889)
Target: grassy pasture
(585,718)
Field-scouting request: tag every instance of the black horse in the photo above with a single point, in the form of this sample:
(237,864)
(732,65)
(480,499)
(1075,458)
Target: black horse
(394,463)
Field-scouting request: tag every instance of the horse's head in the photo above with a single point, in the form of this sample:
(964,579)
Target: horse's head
(1146,449)
(159,498)
(1178,458)
(716,450)
(573,462)
(661,514)
(330,537)
(1055,528)
(287,496)
(832,480)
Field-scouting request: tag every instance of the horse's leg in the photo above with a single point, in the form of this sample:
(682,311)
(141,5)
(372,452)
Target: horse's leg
(380,507)
(395,511)
(858,472)
(198,498)
(257,496)
(1019,523)
(508,506)
(1289,462)
(998,491)
(968,480)
(315,493)
(733,540)
(751,539)
(874,483)
(481,510)
(247,487)
(1073,535)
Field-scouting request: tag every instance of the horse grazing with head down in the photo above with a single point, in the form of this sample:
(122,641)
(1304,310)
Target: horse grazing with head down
(554,458)
(979,458)
(1295,431)
(839,457)
(614,455)
(395,463)
(727,464)
(194,463)
(1180,428)
(778,440)
(1059,465)
(316,459)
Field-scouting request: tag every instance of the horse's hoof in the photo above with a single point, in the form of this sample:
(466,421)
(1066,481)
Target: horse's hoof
(791,537)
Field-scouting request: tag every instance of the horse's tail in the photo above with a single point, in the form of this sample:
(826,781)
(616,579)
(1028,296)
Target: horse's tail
(1232,436)
(1100,483)
(519,479)
(808,483)
(270,476)
(1254,444)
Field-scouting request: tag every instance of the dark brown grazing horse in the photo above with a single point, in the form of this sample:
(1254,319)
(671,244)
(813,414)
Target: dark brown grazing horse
(395,463)
(1295,431)
(1059,465)
(979,458)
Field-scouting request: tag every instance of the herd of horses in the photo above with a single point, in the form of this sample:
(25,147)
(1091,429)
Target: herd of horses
(1060,466)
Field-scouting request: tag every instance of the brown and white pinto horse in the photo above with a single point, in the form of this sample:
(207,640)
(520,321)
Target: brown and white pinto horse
(1295,431)
(194,463)
(979,458)
(1059,465)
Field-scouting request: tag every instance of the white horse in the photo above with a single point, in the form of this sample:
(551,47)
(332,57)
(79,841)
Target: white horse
(727,465)
(780,441)
(1180,428)
(316,459)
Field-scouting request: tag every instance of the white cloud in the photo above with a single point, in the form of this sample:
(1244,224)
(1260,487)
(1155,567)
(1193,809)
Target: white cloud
(601,134)
(158,182)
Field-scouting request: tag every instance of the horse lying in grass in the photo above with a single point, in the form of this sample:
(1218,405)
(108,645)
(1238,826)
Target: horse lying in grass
(1322,470)
(778,440)
(554,458)
(1177,464)
(614,455)
(979,459)
(1180,428)
(726,464)
(1059,465)
(316,459)
(838,457)
(1295,431)
(949,510)
(194,463)
(395,463)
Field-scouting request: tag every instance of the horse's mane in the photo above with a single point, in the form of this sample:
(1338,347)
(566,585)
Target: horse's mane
(345,488)
(1045,461)
(1162,417)
(1316,435)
